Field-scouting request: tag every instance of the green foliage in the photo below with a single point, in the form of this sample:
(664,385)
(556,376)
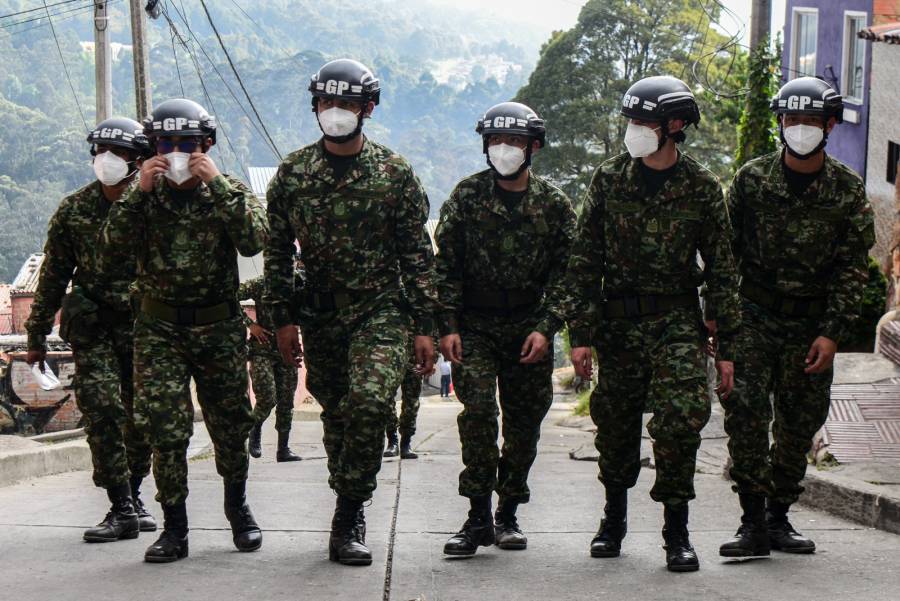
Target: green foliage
(583,73)
(757,127)
(874,304)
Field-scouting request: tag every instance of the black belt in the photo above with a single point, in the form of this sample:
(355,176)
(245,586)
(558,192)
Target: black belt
(113,317)
(189,316)
(500,298)
(334,300)
(644,305)
(789,306)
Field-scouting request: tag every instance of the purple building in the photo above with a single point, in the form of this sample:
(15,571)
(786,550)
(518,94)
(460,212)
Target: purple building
(820,40)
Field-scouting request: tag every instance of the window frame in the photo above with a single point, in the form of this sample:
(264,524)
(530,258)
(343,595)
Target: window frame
(796,12)
(850,15)
(893,157)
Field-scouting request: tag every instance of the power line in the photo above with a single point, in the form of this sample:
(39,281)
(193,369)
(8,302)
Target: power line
(31,10)
(237,75)
(10,25)
(65,68)
(88,9)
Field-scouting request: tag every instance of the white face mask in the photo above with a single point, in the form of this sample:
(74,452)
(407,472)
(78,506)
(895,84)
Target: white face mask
(803,139)
(109,168)
(506,158)
(641,140)
(338,122)
(178,172)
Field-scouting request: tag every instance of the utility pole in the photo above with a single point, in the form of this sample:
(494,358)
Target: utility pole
(760,18)
(102,61)
(141,59)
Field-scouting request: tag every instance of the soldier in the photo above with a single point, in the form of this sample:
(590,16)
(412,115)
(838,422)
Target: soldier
(97,324)
(634,276)
(358,211)
(274,382)
(410,390)
(802,229)
(188,222)
(504,238)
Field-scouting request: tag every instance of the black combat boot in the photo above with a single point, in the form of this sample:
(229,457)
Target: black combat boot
(172,544)
(120,523)
(782,535)
(680,554)
(148,524)
(246,534)
(256,441)
(752,538)
(406,451)
(347,543)
(392,450)
(507,533)
(284,451)
(478,531)
(613,526)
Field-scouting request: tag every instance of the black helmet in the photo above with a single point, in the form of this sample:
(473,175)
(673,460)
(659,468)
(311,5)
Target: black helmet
(660,98)
(120,131)
(346,79)
(512,118)
(180,117)
(809,96)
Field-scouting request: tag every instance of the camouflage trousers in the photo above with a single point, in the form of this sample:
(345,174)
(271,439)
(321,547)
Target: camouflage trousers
(166,357)
(274,385)
(104,393)
(650,365)
(355,358)
(771,357)
(491,348)
(410,390)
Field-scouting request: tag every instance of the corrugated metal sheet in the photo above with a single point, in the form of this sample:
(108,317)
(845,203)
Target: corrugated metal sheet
(27,280)
(260,178)
(888,33)
(430,227)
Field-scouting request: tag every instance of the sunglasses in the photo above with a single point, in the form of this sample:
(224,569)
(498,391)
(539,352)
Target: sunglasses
(164,146)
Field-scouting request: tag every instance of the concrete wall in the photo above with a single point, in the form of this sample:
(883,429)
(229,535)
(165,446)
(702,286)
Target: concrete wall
(884,126)
(847,142)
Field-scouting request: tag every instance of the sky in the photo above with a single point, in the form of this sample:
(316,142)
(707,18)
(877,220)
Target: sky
(562,14)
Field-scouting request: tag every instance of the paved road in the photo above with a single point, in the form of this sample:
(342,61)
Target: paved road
(415,509)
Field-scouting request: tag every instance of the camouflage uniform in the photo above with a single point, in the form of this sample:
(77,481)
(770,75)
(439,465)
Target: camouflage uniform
(808,254)
(274,383)
(483,246)
(634,275)
(410,391)
(102,350)
(363,239)
(187,264)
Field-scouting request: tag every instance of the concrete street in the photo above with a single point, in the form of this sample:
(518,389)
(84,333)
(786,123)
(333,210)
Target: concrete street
(415,509)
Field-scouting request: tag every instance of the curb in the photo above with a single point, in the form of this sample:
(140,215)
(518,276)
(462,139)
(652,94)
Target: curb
(44,461)
(852,500)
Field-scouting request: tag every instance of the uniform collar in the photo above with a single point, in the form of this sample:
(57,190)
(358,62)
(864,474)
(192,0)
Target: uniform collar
(321,170)
(778,184)
(528,202)
(670,190)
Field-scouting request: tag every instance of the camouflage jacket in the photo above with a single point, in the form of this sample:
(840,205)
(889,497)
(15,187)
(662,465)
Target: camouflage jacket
(628,244)
(364,233)
(186,251)
(484,245)
(814,245)
(254,289)
(69,254)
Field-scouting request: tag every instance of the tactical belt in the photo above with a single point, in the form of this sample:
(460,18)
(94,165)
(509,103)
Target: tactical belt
(499,298)
(189,316)
(642,306)
(113,317)
(789,306)
(332,301)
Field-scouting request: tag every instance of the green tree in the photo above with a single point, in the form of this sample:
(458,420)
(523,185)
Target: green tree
(583,73)
(756,130)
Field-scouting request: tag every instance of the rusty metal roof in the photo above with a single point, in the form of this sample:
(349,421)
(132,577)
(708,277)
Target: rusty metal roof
(888,33)
(27,280)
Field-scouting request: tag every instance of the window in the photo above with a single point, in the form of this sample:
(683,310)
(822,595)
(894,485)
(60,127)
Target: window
(853,76)
(803,42)
(893,157)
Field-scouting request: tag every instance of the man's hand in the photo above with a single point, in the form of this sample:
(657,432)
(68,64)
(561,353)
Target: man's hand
(583,360)
(726,378)
(820,355)
(535,348)
(203,166)
(37,356)
(712,341)
(260,333)
(451,348)
(424,348)
(151,169)
(289,345)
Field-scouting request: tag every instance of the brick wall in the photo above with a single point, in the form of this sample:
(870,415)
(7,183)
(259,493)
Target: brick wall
(885,11)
